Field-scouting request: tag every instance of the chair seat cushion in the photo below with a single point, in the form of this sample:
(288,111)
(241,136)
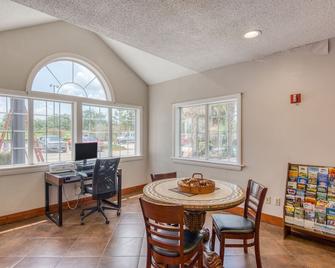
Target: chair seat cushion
(191,241)
(233,223)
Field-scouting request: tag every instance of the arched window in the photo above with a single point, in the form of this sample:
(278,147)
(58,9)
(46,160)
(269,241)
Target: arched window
(69,77)
(57,121)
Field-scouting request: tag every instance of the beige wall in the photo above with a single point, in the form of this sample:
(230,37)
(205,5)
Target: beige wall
(274,132)
(20,51)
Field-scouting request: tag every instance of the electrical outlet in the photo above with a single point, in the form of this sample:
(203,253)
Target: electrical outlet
(268,200)
(278,201)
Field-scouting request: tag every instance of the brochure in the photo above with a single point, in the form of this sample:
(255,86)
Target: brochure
(303,171)
(312,172)
(310,198)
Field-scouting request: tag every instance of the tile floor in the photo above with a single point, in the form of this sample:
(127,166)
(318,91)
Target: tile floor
(122,244)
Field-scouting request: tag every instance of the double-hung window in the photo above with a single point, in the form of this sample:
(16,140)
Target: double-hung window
(13,130)
(96,127)
(115,124)
(209,130)
(52,131)
(125,133)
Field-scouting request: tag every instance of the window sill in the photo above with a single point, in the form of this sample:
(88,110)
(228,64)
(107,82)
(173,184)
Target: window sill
(131,158)
(28,169)
(207,163)
(22,169)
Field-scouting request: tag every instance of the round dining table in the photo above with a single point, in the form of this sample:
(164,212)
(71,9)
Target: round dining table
(226,195)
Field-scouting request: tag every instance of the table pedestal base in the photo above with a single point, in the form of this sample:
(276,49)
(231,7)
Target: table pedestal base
(194,221)
(211,259)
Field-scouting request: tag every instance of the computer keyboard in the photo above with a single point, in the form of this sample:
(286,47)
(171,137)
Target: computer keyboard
(69,177)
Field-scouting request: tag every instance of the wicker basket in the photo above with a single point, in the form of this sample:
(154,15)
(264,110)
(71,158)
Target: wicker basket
(197,189)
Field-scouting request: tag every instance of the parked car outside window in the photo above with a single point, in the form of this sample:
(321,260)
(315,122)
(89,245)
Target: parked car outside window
(52,144)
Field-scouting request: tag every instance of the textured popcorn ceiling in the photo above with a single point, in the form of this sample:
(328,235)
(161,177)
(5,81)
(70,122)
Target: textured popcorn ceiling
(200,34)
(150,68)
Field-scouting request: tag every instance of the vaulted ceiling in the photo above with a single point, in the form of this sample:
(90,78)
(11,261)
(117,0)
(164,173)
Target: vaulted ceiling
(150,68)
(13,15)
(198,35)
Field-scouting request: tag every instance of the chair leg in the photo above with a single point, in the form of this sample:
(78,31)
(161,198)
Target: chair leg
(200,257)
(257,252)
(148,258)
(104,215)
(245,246)
(222,245)
(87,209)
(212,244)
(91,211)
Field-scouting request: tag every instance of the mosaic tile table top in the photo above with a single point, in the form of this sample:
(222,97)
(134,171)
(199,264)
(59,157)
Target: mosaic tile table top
(226,195)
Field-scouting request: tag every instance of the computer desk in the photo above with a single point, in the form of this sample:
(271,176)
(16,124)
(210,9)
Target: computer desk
(58,180)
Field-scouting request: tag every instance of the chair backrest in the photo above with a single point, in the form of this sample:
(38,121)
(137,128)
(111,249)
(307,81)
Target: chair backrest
(164,226)
(104,181)
(254,201)
(161,176)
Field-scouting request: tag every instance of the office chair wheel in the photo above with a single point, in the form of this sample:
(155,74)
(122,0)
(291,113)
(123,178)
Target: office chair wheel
(82,223)
(118,213)
(107,222)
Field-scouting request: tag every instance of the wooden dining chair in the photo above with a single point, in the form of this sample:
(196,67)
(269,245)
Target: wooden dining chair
(228,226)
(161,176)
(168,243)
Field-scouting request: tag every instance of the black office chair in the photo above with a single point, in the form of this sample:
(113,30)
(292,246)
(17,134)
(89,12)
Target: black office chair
(106,183)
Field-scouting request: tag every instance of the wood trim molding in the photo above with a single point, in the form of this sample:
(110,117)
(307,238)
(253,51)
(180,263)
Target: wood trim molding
(274,220)
(133,189)
(37,212)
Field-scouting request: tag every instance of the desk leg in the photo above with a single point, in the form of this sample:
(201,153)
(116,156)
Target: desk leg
(56,218)
(47,200)
(60,205)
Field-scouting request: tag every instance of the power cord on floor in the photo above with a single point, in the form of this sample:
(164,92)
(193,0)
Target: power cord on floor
(68,202)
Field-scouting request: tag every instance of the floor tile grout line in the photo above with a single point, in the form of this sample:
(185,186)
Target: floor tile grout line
(139,255)
(268,233)
(17,262)
(70,247)
(103,251)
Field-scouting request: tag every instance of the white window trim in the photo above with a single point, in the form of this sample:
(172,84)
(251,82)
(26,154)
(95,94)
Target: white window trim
(76,103)
(97,71)
(76,131)
(203,162)
(38,168)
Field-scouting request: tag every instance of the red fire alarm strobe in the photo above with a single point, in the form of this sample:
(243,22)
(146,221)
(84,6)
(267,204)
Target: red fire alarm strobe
(295,98)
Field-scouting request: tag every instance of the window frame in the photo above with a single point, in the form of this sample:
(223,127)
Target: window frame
(138,122)
(76,127)
(76,104)
(31,113)
(176,128)
(97,71)
(26,145)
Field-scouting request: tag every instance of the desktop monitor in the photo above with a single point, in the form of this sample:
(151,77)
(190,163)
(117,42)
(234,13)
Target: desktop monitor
(86,151)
